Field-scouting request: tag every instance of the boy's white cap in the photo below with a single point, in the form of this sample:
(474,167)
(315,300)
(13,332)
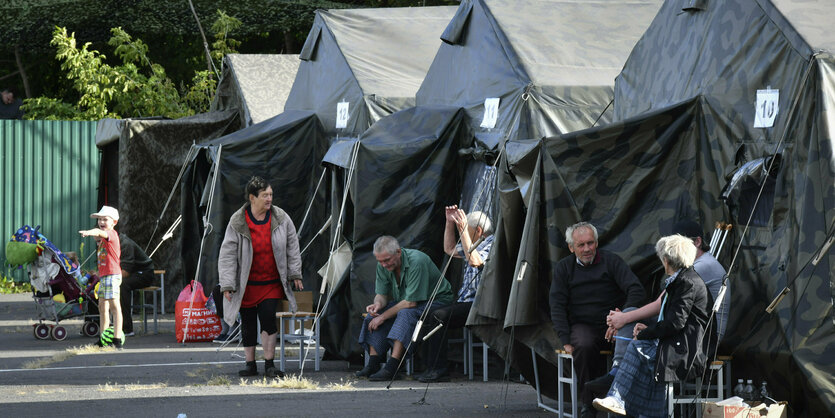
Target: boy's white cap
(107,211)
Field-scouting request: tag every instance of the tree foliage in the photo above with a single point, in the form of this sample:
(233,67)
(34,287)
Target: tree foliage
(135,88)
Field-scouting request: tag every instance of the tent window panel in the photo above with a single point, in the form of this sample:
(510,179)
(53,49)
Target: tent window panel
(742,190)
(761,213)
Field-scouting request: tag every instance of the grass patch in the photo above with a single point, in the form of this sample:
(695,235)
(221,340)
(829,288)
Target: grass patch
(46,361)
(198,372)
(287,382)
(219,380)
(342,385)
(107,387)
(44,391)
(90,349)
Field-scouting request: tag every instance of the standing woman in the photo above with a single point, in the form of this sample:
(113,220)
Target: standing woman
(258,258)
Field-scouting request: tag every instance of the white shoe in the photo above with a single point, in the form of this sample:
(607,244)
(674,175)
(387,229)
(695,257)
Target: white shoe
(609,404)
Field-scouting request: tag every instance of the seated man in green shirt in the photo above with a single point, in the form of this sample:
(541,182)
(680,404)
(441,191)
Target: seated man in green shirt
(405,280)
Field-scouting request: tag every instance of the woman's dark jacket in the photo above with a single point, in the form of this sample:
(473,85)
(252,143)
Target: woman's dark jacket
(681,352)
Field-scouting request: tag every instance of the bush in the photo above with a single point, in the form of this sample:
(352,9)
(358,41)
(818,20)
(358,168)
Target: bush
(8,285)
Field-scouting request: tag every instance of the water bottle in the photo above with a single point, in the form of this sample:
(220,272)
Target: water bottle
(750,392)
(764,392)
(739,389)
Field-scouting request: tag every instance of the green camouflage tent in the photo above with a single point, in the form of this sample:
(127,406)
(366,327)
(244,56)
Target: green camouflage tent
(257,85)
(717,102)
(492,49)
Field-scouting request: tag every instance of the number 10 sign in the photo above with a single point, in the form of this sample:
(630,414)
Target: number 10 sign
(767,108)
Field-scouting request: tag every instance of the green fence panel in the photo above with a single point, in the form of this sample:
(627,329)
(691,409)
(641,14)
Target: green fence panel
(49,175)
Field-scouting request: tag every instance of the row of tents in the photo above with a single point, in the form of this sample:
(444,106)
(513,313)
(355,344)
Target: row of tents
(631,115)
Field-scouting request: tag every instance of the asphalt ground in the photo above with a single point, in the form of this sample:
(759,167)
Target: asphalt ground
(154,376)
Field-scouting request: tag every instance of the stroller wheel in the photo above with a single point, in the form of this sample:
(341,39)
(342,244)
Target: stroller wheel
(42,331)
(59,333)
(90,329)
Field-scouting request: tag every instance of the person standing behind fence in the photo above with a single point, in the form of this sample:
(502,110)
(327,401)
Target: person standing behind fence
(110,275)
(10,105)
(259,257)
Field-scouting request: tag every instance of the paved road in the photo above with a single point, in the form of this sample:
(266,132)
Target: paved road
(155,376)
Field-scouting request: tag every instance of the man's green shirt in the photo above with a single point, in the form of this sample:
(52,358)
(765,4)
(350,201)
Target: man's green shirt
(419,276)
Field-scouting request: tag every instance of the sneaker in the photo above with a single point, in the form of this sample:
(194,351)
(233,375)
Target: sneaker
(130,334)
(222,338)
(609,404)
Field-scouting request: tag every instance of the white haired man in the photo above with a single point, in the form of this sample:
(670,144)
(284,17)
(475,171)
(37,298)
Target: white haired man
(405,280)
(585,287)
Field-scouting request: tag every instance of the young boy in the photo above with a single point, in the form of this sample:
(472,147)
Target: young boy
(110,273)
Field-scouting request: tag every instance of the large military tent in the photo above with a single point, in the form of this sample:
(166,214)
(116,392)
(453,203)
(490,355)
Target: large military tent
(504,50)
(256,85)
(398,186)
(286,150)
(141,162)
(724,112)
(354,61)
(550,63)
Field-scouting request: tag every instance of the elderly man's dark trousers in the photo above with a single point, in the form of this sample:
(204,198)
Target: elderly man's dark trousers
(588,341)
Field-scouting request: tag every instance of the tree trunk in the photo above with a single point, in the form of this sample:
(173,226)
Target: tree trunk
(22,71)
(289,43)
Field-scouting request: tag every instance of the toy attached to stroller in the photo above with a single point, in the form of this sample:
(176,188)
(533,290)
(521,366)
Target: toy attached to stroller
(60,291)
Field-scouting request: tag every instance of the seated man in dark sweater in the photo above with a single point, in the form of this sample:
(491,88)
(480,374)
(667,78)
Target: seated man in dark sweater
(585,287)
(137,273)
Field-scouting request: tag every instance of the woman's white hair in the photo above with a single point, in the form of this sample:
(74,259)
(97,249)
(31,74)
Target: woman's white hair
(677,250)
(480,219)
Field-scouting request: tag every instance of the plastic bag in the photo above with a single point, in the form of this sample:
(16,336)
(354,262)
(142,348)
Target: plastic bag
(190,308)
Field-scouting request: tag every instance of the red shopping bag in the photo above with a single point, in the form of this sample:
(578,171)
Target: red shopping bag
(194,322)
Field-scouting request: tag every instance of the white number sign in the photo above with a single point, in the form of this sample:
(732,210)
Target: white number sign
(491,112)
(767,108)
(341,115)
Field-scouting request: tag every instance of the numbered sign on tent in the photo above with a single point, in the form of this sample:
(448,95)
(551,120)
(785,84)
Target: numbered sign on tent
(767,108)
(341,115)
(491,112)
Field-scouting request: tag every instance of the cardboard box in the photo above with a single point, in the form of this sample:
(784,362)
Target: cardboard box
(712,410)
(304,302)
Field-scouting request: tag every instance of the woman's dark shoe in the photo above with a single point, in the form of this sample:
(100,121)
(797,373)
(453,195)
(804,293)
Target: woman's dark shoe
(250,370)
(384,374)
(368,370)
(433,376)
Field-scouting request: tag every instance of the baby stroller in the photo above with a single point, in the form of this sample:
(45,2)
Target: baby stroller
(58,287)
